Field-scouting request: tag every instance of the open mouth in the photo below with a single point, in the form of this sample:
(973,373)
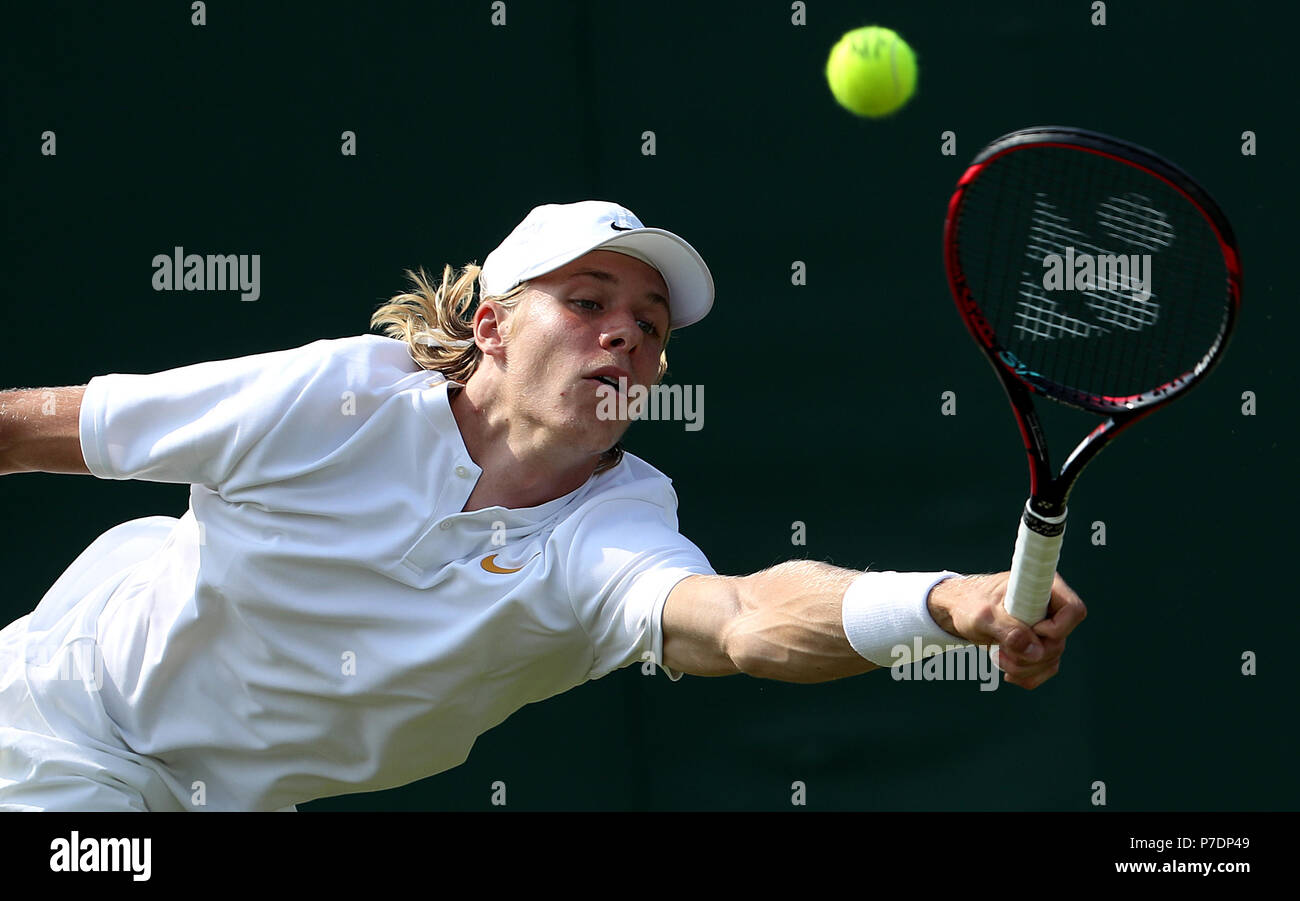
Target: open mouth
(607,380)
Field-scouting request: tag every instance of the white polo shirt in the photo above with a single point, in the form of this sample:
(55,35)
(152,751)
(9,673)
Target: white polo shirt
(324,619)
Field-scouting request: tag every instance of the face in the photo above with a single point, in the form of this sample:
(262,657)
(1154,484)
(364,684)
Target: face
(603,316)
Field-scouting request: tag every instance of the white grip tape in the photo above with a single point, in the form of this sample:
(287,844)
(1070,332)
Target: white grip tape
(1033,569)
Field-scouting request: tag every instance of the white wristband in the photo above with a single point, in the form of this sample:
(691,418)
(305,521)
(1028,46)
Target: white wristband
(887,617)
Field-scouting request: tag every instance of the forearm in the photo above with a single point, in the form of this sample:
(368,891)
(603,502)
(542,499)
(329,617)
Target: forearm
(790,624)
(39,430)
(792,620)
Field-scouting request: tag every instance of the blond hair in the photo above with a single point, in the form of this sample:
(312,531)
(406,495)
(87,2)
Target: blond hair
(437,325)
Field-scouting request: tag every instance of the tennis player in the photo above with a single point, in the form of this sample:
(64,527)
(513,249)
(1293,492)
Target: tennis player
(395,541)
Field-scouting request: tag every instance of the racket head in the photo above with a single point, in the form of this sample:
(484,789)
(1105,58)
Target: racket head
(1092,341)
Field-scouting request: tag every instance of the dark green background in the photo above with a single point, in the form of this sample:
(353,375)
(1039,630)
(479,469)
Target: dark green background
(822,401)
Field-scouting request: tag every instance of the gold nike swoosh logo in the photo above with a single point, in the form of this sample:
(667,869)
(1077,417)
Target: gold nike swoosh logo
(489,564)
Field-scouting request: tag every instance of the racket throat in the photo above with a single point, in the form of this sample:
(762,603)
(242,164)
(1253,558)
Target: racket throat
(1044,517)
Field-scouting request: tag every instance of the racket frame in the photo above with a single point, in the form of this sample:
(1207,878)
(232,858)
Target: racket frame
(1042,526)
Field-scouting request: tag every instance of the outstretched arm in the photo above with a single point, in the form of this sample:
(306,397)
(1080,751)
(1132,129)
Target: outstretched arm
(39,430)
(786,623)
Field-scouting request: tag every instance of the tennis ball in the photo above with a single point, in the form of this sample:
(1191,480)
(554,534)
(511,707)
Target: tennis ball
(872,71)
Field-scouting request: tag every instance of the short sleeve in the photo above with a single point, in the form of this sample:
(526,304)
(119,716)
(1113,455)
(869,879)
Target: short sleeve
(201,424)
(625,557)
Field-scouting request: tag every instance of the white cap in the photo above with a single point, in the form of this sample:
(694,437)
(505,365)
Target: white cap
(555,235)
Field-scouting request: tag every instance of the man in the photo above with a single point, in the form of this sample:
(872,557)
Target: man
(393,543)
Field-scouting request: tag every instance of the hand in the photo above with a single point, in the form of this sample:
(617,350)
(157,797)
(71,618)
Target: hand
(971,608)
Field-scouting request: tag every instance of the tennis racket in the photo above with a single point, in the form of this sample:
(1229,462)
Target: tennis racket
(1092,272)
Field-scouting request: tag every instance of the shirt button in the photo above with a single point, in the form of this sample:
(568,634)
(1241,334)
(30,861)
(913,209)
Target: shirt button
(462,471)
(445,525)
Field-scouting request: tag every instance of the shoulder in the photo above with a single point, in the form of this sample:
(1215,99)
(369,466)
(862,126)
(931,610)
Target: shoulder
(620,553)
(632,483)
(631,508)
(364,365)
(369,350)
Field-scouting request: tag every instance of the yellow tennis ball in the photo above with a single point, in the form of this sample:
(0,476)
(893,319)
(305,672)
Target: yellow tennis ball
(872,71)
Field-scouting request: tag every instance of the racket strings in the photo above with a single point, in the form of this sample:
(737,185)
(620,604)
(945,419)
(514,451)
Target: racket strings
(1094,274)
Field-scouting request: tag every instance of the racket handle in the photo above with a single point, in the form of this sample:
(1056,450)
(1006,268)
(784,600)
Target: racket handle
(1033,567)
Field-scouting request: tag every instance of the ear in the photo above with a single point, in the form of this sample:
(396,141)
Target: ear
(488,321)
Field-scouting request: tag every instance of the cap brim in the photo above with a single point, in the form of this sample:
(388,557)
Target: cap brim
(690,284)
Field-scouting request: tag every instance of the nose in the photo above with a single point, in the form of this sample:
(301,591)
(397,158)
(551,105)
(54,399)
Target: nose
(621,332)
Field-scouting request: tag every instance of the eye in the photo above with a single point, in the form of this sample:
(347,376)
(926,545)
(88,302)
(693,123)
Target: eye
(592,305)
(648,327)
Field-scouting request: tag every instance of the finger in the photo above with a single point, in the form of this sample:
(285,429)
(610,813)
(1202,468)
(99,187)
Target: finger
(1051,651)
(1015,638)
(1065,611)
(1030,682)
(1019,673)
(1019,668)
